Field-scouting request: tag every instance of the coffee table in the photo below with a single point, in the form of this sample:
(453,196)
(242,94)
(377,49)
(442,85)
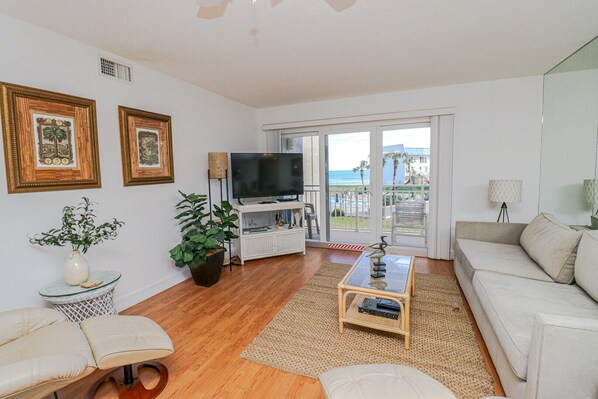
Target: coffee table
(398,285)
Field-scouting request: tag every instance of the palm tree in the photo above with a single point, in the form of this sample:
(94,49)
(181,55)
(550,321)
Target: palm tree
(408,160)
(363,165)
(56,134)
(396,157)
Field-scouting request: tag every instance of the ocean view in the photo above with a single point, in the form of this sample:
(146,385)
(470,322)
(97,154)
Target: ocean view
(347,178)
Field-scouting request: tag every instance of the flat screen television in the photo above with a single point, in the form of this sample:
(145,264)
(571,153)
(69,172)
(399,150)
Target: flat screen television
(266,175)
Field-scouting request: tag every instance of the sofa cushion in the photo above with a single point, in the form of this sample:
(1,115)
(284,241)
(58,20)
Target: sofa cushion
(552,245)
(586,264)
(511,303)
(502,258)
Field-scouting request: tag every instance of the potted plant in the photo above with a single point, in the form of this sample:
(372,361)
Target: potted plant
(80,230)
(202,245)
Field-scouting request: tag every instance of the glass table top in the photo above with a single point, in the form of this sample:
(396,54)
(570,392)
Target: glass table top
(395,279)
(60,288)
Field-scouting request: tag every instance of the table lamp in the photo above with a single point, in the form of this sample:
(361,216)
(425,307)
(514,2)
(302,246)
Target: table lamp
(504,191)
(590,189)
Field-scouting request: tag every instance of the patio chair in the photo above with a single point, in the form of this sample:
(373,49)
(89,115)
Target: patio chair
(409,218)
(310,215)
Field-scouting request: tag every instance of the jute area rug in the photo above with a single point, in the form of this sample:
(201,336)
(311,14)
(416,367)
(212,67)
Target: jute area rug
(303,338)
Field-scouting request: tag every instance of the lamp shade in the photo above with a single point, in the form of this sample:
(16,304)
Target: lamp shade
(590,190)
(218,165)
(505,190)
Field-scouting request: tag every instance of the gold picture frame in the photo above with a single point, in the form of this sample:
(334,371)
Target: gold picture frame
(146,146)
(50,140)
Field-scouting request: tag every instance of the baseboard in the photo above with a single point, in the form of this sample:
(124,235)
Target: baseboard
(134,297)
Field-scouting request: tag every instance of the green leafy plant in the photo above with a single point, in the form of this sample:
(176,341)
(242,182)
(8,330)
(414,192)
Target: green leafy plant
(201,235)
(78,229)
(337,212)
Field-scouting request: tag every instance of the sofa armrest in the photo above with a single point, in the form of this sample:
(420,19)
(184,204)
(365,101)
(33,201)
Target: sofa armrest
(500,233)
(562,358)
(29,373)
(16,323)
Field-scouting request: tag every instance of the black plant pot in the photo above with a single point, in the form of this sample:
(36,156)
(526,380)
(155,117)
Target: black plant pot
(208,274)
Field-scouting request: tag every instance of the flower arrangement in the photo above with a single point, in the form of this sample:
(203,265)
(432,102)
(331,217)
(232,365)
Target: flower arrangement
(78,229)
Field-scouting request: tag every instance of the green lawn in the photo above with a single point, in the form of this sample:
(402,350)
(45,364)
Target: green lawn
(349,223)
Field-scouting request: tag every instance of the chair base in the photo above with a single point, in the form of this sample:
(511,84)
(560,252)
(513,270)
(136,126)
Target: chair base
(128,383)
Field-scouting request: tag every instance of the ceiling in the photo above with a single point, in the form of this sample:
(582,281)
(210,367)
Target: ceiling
(303,50)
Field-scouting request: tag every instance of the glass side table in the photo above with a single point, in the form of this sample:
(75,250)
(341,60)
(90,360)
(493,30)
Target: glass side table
(78,303)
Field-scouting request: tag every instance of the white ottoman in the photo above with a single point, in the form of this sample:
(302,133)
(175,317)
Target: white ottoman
(129,342)
(381,381)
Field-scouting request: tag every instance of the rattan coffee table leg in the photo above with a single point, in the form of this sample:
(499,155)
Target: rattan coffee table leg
(341,310)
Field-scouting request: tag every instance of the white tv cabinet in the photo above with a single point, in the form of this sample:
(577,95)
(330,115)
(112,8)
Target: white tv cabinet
(271,240)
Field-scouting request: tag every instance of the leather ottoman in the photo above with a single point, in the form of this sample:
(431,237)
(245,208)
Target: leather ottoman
(130,342)
(381,381)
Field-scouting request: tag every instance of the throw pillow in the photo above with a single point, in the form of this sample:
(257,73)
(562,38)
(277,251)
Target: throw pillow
(586,264)
(553,245)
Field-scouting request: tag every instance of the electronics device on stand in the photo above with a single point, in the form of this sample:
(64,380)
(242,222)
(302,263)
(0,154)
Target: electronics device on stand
(268,227)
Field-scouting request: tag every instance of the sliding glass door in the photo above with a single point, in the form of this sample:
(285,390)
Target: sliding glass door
(366,181)
(307,143)
(348,187)
(405,182)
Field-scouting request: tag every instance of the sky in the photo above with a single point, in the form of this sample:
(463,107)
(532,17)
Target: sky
(347,149)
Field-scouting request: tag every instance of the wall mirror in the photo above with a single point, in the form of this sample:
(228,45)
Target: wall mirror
(570,136)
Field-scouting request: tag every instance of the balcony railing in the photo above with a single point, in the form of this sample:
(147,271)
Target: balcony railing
(350,205)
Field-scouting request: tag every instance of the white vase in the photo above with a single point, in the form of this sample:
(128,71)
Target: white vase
(76,269)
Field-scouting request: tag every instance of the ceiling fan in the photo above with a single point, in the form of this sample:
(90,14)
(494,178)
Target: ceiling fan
(210,9)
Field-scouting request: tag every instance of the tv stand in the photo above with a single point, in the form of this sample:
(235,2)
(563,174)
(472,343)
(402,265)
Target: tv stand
(267,202)
(259,233)
(239,201)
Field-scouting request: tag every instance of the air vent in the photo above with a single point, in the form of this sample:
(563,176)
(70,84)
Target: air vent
(115,70)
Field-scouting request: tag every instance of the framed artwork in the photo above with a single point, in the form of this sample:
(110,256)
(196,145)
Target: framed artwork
(50,140)
(146,145)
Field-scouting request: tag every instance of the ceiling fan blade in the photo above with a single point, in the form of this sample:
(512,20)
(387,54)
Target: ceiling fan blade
(210,9)
(340,5)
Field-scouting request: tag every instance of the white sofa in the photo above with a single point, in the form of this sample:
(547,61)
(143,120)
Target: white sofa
(542,335)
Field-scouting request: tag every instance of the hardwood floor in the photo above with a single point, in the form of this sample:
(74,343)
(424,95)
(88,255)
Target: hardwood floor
(210,327)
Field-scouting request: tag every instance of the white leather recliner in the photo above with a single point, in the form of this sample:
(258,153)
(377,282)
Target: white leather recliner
(41,352)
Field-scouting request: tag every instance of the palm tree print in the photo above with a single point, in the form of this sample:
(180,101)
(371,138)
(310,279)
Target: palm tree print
(55,134)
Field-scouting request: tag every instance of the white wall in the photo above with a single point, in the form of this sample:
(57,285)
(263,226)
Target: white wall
(497,135)
(201,122)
